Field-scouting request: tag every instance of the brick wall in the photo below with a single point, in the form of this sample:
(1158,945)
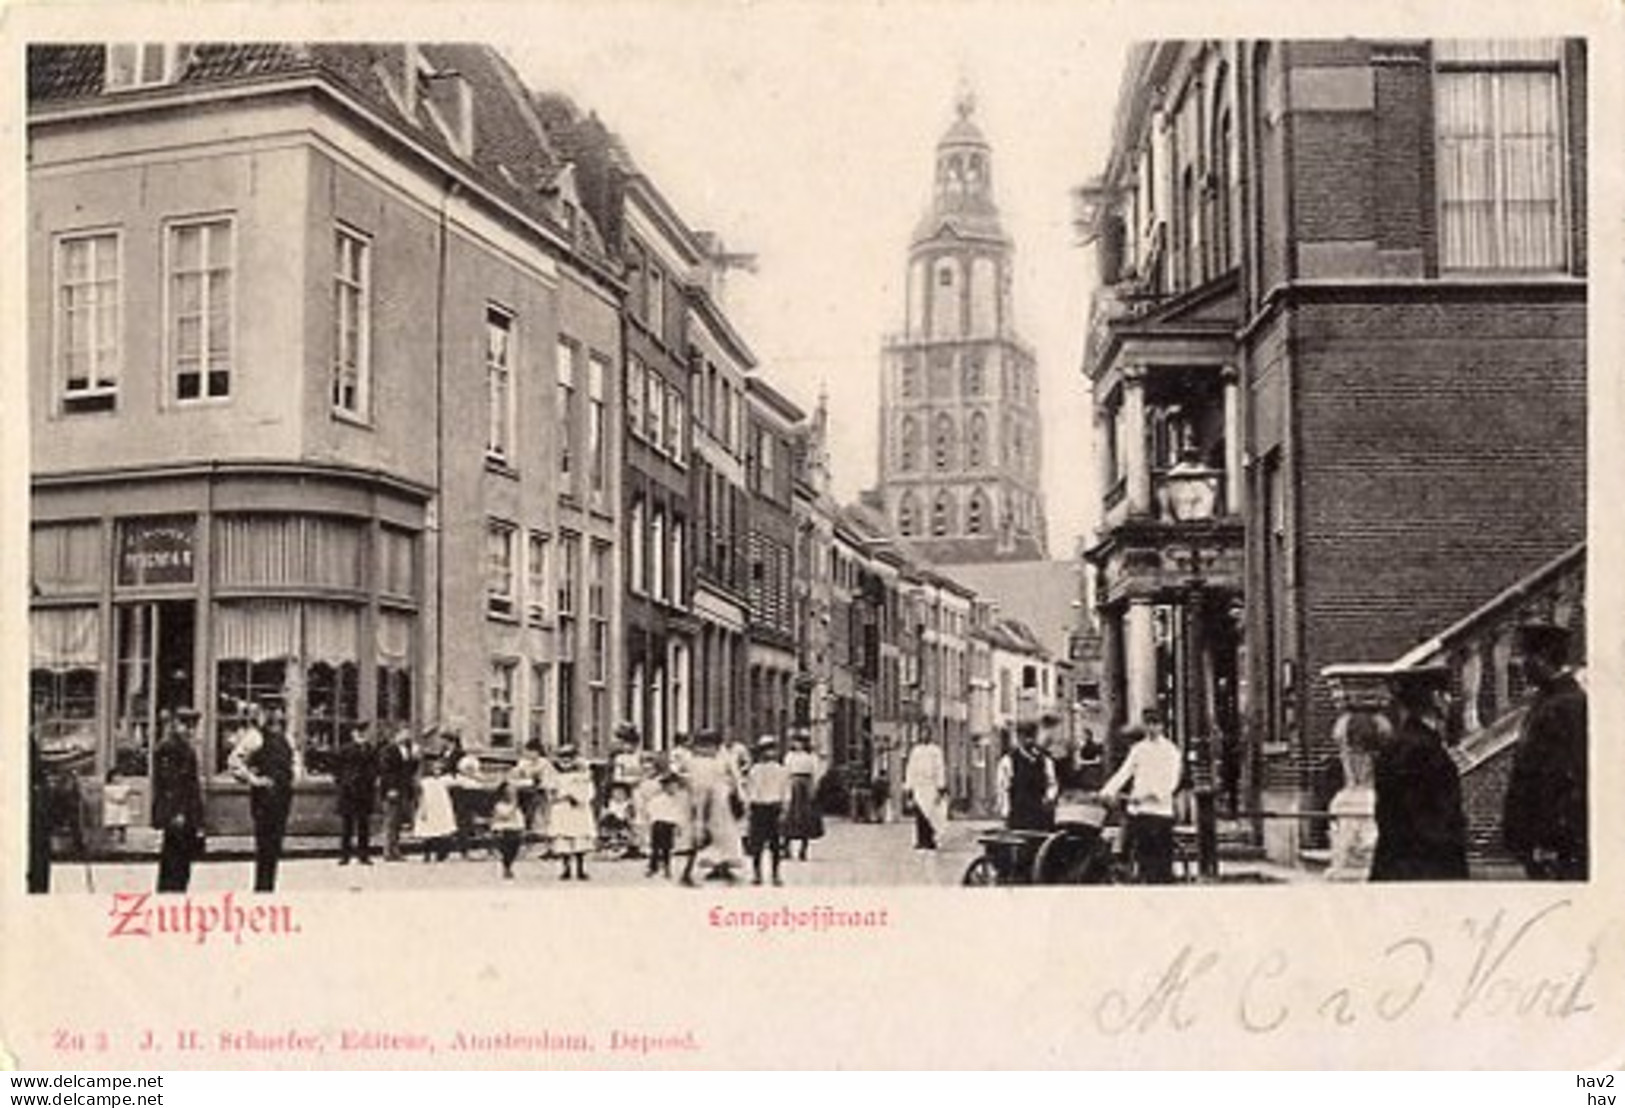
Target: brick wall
(1441,455)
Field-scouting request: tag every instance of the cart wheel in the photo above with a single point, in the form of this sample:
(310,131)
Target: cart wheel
(1054,856)
(980,872)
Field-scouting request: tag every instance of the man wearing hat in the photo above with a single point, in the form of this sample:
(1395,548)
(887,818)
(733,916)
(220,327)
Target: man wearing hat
(1153,767)
(1027,785)
(264,759)
(355,774)
(177,802)
(767,791)
(1421,830)
(1544,822)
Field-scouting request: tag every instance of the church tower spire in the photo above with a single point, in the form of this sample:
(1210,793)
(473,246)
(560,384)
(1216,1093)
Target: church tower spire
(960,444)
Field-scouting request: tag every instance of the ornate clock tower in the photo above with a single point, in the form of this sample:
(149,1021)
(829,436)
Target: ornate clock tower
(959,436)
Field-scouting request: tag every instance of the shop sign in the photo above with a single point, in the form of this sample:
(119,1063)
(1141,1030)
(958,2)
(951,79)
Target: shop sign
(156,551)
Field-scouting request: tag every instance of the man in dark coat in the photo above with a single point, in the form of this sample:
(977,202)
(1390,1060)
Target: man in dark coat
(1421,828)
(1545,821)
(397,777)
(39,817)
(263,758)
(355,774)
(1027,782)
(177,802)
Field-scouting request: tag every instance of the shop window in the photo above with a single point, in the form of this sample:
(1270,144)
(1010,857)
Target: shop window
(88,317)
(63,679)
(300,550)
(394,672)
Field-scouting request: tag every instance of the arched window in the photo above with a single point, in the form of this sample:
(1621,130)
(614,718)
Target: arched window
(942,442)
(976,441)
(909,451)
(907,515)
(942,514)
(976,514)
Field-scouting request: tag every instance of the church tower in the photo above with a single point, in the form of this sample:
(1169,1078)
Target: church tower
(959,417)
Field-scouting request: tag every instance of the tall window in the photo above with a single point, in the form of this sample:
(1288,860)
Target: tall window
(87,321)
(908,378)
(352,319)
(657,554)
(655,401)
(637,571)
(942,442)
(200,260)
(499,701)
(674,564)
(566,415)
(1500,153)
(598,613)
(972,373)
(942,514)
(677,425)
(976,514)
(498,383)
(537,576)
(657,301)
(597,444)
(500,565)
(976,441)
(635,375)
(539,705)
(907,515)
(909,452)
(569,572)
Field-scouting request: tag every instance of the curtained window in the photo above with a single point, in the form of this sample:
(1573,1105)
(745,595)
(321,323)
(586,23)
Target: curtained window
(1499,126)
(63,678)
(397,563)
(65,558)
(394,671)
(263,550)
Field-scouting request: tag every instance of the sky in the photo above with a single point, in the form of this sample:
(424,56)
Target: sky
(806,133)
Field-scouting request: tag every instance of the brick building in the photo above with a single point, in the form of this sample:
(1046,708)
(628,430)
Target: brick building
(1359,269)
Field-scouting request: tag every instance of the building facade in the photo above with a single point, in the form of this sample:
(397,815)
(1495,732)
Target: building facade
(1346,282)
(771,422)
(960,443)
(285,506)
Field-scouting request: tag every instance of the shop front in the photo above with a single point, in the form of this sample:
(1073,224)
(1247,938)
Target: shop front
(296,591)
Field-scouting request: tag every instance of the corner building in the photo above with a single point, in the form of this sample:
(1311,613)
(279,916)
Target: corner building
(1351,276)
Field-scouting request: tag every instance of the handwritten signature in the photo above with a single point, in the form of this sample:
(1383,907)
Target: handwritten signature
(1486,971)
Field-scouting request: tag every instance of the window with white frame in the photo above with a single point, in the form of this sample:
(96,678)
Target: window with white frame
(540,705)
(636,540)
(132,65)
(89,352)
(569,573)
(500,540)
(201,262)
(499,701)
(566,415)
(499,383)
(677,425)
(597,428)
(635,376)
(1499,124)
(677,538)
(656,404)
(657,554)
(536,565)
(598,612)
(352,323)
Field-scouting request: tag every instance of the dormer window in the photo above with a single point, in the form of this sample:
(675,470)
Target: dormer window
(133,65)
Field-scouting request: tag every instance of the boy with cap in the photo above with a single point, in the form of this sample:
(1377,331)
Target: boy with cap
(1544,822)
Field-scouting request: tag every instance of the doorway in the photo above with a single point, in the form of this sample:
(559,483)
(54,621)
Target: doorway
(156,659)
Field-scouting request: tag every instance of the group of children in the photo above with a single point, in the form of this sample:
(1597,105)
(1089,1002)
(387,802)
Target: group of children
(707,804)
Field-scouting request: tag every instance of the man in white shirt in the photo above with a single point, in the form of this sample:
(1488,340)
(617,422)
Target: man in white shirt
(1153,768)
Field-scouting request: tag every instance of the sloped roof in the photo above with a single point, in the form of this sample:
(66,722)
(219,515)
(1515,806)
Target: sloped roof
(1038,595)
(512,155)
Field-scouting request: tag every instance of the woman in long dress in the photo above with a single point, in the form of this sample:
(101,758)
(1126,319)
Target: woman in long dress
(802,820)
(570,816)
(714,786)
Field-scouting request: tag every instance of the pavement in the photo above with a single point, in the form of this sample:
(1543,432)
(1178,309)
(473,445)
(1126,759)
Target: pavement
(849,854)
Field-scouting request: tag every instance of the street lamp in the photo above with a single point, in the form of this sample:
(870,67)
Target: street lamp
(1192,494)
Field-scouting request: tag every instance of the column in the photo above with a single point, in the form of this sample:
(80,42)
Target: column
(1132,448)
(1139,658)
(1233,434)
